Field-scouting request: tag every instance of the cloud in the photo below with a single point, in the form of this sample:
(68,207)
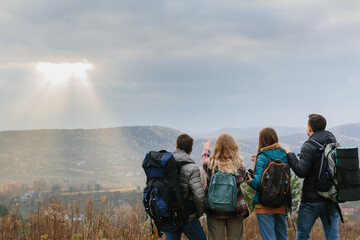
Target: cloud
(235,58)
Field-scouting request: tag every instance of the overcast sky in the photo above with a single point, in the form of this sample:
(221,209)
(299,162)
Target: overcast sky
(196,66)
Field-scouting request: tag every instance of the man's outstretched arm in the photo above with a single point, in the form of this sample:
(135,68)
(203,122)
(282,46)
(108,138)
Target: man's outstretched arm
(302,165)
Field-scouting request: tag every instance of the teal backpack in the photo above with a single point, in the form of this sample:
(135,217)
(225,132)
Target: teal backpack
(222,192)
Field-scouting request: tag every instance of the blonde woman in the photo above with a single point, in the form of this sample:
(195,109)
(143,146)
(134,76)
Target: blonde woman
(225,158)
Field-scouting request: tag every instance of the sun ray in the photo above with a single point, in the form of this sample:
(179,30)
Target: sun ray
(61,95)
(62,73)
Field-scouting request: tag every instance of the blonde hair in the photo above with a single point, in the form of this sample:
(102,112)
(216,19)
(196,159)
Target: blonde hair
(226,155)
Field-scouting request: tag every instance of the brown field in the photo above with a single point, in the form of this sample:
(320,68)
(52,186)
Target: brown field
(100,191)
(56,221)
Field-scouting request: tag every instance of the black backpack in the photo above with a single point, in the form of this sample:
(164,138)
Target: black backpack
(339,174)
(162,196)
(275,184)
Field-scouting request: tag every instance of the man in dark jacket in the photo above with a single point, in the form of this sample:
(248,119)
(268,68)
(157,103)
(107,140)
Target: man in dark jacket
(191,189)
(312,205)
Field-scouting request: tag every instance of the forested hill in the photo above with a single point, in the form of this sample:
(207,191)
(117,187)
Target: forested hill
(96,154)
(347,135)
(113,154)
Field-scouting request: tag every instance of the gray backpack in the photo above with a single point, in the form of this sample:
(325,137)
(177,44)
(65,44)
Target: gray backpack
(339,174)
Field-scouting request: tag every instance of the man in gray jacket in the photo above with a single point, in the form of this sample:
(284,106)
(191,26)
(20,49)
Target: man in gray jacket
(191,188)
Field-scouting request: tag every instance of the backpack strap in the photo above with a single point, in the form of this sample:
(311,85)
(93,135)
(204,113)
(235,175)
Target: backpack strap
(270,159)
(327,212)
(340,213)
(317,144)
(262,152)
(321,149)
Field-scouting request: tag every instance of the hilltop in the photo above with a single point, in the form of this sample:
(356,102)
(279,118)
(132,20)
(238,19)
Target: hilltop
(252,132)
(115,154)
(110,154)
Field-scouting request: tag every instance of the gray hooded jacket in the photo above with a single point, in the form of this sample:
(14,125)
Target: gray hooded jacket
(191,186)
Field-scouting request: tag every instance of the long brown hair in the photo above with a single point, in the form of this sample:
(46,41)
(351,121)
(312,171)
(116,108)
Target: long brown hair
(226,155)
(267,137)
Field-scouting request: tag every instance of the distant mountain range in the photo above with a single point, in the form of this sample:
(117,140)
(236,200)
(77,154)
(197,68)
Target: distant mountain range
(115,154)
(252,132)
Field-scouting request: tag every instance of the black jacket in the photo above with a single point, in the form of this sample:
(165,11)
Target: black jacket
(308,165)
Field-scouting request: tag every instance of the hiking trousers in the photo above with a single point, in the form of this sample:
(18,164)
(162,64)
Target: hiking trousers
(218,226)
(272,226)
(193,231)
(309,212)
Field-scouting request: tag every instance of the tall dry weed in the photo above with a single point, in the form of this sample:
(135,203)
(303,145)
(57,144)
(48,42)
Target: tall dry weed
(57,221)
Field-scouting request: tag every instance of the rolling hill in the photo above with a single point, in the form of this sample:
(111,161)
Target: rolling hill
(252,132)
(115,154)
(110,154)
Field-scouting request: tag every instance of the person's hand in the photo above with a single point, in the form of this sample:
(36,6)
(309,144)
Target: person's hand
(248,179)
(253,158)
(287,149)
(207,144)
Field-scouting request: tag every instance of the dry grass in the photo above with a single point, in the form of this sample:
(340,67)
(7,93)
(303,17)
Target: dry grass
(57,221)
(348,230)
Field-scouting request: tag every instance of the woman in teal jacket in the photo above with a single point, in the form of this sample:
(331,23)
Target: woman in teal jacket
(271,221)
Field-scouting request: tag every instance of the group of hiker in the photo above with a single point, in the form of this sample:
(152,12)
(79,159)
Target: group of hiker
(220,197)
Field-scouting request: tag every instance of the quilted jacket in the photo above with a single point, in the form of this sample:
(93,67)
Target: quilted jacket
(191,186)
